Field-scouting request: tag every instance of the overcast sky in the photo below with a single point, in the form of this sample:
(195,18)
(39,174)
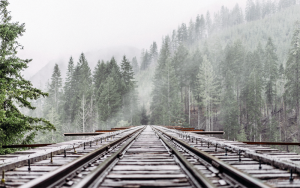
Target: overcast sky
(57,29)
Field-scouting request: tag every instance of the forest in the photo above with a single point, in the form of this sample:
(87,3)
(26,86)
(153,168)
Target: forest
(234,70)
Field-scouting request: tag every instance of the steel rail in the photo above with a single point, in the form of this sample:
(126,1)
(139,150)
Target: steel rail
(237,175)
(59,176)
(94,178)
(202,180)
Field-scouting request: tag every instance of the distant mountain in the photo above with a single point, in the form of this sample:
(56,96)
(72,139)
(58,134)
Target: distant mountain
(42,76)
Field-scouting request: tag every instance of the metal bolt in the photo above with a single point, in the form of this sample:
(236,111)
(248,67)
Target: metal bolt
(240,155)
(201,143)
(259,164)
(83,145)
(101,140)
(216,147)
(196,141)
(90,143)
(3,179)
(29,169)
(51,160)
(207,144)
(74,150)
(65,153)
(225,151)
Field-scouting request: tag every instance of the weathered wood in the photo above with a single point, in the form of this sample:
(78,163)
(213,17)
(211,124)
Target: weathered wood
(207,132)
(83,134)
(26,145)
(274,143)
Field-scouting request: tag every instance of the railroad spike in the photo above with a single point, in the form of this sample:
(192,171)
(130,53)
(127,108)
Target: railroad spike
(240,156)
(90,143)
(74,149)
(65,153)
(84,145)
(216,147)
(259,164)
(225,151)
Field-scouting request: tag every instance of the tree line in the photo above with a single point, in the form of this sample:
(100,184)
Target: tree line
(247,92)
(89,101)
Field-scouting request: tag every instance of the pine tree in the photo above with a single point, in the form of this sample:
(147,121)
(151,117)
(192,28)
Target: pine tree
(129,87)
(292,87)
(55,91)
(270,72)
(153,52)
(207,90)
(208,23)
(109,101)
(15,91)
(157,99)
(68,93)
(85,95)
(135,65)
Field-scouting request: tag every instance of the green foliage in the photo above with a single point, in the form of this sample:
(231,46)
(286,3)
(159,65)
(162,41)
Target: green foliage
(15,127)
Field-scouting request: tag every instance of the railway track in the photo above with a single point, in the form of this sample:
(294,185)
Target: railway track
(274,168)
(19,171)
(154,156)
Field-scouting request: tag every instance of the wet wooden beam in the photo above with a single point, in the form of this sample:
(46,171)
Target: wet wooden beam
(274,143)
(26,145)
(83,134)
(207,132)
(119,128)
(186,128)
(104,131)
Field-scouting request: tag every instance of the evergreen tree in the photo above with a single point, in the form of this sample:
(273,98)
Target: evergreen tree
(208,23)
(129,87)
(157,99)
(109,101)
(207,90)
(270,72)
(135,65)
(55,91)
(15,91)
(68,93)
(153,51)
(292,87)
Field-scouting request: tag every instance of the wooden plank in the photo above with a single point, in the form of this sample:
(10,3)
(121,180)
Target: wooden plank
(83,134)
(274,143)
(26,145)
(207,132)
(145,176)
